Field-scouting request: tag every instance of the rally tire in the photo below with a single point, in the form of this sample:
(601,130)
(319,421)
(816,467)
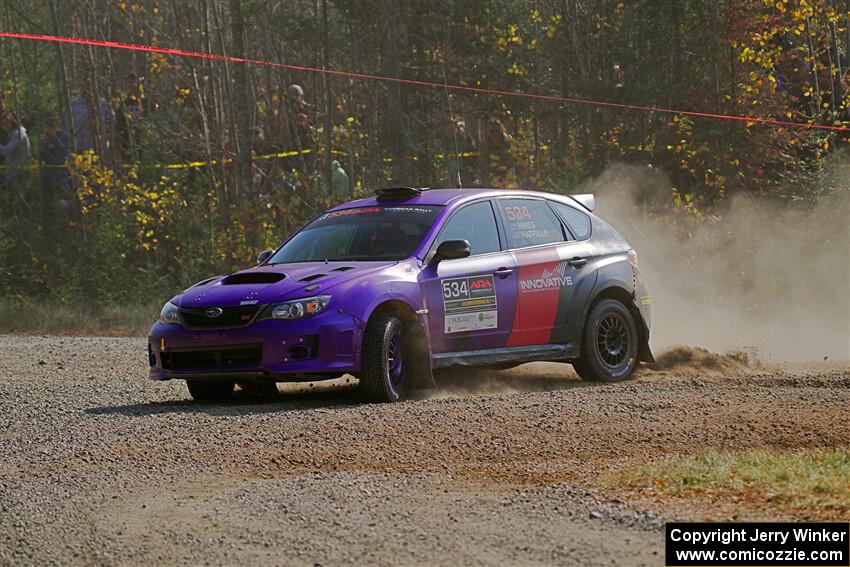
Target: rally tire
(609,347)
(209,391)
(385,374)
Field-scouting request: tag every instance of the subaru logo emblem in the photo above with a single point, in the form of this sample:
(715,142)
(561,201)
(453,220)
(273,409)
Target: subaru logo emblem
(214,312)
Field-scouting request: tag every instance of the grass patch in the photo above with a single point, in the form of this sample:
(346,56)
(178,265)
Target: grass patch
(766,484)
(76,319)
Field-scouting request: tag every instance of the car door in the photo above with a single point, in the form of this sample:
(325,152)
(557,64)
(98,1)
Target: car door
(583,260)
(551,266)
(470,301)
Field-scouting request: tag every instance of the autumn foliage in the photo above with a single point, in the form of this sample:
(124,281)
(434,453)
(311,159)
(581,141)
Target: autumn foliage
(192,171)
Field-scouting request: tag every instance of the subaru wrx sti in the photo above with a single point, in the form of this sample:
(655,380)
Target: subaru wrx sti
(394,288)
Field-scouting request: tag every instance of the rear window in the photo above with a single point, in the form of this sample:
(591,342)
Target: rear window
(529,222)
(360,234)
(576,221)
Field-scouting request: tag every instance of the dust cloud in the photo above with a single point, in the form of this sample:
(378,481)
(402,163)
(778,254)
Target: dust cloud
(765,278)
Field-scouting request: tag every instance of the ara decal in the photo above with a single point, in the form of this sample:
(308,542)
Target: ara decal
(469,304)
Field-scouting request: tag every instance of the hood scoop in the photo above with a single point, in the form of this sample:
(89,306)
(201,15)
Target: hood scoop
(312,278)
(343,269)
(206,281)
(252,278)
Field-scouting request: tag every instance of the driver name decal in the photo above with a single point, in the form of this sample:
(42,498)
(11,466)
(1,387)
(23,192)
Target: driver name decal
(469,304)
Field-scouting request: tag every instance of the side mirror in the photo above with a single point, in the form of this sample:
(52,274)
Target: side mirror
(451,249)
(263,256)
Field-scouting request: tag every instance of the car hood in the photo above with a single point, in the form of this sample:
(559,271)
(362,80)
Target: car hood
(269,284)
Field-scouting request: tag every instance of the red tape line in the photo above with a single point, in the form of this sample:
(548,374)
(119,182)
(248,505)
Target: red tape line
(366,76)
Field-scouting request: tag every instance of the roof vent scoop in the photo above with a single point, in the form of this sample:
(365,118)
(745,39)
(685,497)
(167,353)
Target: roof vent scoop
(586,200)
(397,193)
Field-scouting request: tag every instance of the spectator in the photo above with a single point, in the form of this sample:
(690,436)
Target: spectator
(460,150)
(55,181)
(127,115)
(16,152)
(295,94)
(84,127)
(296,133)
(339,182)
(4,135)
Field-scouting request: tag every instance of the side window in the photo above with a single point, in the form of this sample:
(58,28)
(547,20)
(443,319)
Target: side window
(577,221)
(476,224)
(529,222)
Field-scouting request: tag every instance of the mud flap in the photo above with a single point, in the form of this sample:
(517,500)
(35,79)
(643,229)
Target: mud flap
(644,353)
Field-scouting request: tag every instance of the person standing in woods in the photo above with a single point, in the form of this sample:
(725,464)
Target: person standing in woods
(55,180)
(297,134)
(3,112)
(16,154)
(339,182)
(128,112)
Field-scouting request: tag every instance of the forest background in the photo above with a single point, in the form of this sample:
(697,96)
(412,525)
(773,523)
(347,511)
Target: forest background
(179,168)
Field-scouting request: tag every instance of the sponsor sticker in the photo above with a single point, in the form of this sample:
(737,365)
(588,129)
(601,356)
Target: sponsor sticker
(409,210)
(376,211)
(350,212)
(644,301)
(469,303)
(553,277)
(475,321)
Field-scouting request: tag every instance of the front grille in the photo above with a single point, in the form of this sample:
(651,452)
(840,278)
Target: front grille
(229,357)
(230,317)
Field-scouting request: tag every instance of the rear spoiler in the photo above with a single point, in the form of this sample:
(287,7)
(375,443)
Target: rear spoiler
(586,200)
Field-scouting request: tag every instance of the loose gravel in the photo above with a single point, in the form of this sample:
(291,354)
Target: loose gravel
(98,466)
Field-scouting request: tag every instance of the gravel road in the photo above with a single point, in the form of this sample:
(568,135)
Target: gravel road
(100,466)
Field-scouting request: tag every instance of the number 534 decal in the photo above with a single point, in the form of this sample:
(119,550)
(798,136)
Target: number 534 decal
(469,304)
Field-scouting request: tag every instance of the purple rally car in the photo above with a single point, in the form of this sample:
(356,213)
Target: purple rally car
(394,288)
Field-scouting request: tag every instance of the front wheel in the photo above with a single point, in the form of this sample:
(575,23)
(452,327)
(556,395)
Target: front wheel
(609,345)
(210,390)
(385,373)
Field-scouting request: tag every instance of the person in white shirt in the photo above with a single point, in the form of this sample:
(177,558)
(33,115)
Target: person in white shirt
(16,152)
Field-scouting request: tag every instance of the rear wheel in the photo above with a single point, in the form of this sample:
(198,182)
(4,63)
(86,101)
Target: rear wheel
(209,390)
(609,345)
(385,373)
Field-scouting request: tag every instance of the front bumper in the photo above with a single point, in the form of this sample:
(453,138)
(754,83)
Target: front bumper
(327,344)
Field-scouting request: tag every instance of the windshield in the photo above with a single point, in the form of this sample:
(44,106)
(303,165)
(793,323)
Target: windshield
(364,233)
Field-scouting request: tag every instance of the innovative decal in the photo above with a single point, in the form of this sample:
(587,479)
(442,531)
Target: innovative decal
(541,284)
(550,278)
(469,304)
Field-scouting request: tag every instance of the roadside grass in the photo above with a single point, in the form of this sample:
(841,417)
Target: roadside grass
(39,318)
(755,484)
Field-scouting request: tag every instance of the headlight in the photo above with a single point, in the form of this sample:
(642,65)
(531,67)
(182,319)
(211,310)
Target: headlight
(170,314)
(298,308)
